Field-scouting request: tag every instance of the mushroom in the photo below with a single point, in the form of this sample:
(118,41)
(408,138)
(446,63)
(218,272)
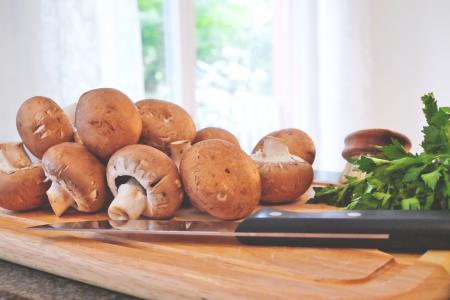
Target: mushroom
(298,142)
(22,185)
(13,156)
(77,176)
(107,120)
(23,189)
(215,133)
(221,179)
(284,177)
(164,123)
(41,124)
(144,181)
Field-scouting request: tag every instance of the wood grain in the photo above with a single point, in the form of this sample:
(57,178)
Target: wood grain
(212,268)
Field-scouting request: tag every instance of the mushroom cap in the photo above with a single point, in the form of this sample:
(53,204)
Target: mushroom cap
(284,177)
(163,123)
(107,120)
(79,173)
(299,143)
(221,179)
(284,182)
(154,171)
(209,133)
(23,189)
(41,124)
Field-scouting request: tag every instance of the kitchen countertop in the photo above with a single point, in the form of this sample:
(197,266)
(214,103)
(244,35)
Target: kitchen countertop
(22,283)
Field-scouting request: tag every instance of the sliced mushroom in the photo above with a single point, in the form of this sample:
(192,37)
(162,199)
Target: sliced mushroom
(23,189)
(209,133)
(41,124)
(13,156)
(164,123)
(77,176)
(284,177)
(221,179)
(144,181)
(107,120)
(298,142)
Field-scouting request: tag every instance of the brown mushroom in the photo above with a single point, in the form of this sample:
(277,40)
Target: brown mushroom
(77,176)
(107,120)
(284,177)
(41,124)
(215,133)
(144,181)
(23,189)
(221,179)
(22,185)
(164,123)
(298,142)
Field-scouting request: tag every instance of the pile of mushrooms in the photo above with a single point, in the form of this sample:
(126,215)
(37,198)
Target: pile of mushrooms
(141,159)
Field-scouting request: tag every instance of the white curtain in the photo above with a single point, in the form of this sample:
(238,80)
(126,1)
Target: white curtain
(346,65)
(60,49)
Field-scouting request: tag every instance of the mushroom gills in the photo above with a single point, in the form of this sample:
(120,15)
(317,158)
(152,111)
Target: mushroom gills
(129,203)
(60,200)
(156,196)
(274,151)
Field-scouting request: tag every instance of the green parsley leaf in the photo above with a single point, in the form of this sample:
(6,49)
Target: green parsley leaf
(411,204)
(431,179)
(413,173)
(437,133)
(394,151)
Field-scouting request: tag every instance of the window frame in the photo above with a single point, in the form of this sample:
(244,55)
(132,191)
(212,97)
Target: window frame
(180,52)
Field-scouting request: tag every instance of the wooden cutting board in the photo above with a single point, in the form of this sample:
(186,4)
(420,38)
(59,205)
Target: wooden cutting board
(212,268)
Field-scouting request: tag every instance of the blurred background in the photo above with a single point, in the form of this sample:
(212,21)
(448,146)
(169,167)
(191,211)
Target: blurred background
(327,67)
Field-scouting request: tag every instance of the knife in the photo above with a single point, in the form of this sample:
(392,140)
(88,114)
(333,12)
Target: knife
(415,231)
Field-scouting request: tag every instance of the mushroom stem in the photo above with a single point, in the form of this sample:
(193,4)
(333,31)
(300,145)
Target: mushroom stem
(60,200)
(129,203)
(177,149)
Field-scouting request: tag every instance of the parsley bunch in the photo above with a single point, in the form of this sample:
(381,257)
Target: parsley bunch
(396,179)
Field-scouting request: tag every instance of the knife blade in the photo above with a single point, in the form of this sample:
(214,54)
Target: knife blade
(387,230)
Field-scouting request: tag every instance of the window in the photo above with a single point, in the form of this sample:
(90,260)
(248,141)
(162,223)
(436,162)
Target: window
(152,32)
(234,62)
(232,46)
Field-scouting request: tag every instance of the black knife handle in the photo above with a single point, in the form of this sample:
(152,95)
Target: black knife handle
(412,231)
